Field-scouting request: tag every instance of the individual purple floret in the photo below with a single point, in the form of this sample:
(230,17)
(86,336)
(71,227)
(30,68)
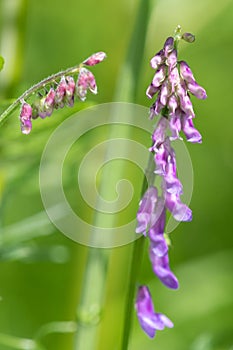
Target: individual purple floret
(149,320)
(25,118)
(146,209)
(161,268)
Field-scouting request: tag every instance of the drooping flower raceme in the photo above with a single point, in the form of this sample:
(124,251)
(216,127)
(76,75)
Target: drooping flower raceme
(60,93)
(173,82)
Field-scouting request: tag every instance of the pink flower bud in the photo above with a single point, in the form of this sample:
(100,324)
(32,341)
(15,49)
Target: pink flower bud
(25,118)
(95,59)
(70,89)
(86,80)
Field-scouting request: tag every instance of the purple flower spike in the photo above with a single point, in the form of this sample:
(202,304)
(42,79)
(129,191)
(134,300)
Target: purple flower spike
(95,59)
(146,209)
(25,118)
(149,320)
(162,270)
(173,83)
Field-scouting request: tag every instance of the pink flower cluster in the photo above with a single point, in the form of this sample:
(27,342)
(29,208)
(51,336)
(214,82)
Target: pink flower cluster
(62,95)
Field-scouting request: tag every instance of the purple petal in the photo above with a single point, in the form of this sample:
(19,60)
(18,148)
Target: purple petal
(158,243)
(179,210)
(156,107)
(95,58)
(174,79)
(162,270)
(172,59)
(26,126)
(190,132)
(197,90)
(159,76)
(168,46)
(159,133)
(165,93)
(148,319)
(157,60)
(151,91)
(146,209)
(186,106)
(166,321)
(186,73)
(175,125)
(172,103)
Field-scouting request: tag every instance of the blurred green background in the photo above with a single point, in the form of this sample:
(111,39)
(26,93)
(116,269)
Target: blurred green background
(41,270)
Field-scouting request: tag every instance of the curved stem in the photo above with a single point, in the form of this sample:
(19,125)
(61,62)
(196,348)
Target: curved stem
(51,79)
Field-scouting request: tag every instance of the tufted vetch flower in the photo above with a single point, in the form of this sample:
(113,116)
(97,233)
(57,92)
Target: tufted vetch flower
(172,86)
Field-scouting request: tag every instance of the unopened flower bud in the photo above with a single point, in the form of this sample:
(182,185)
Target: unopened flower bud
(25,118)
(60,93)
(70,89)
(95,58)
(86,80)
(190,38)
(168,46)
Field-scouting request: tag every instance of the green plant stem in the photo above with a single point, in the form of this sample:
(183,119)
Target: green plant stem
(43,83)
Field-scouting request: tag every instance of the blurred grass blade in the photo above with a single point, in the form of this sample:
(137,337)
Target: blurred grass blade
(19,343)
(128,79)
